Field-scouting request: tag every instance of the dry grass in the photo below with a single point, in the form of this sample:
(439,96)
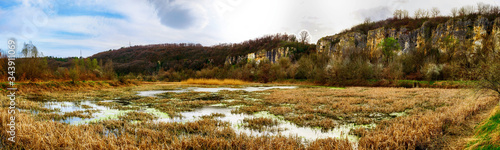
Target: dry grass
(52,86)
(137,116)
(359,105)
(431,115)
(213,115)
(115,134)
(215,82)
(330,144)
(426,129)
(280,110)
(260,124)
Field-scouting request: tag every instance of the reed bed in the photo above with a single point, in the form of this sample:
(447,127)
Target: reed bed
(116,134)
(330,144)
(215,82)
(359,105)
(213,115)
(137,116)
(431,114)
(260,124)
(428,117)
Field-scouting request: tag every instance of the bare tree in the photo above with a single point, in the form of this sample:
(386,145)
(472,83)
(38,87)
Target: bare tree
(400,14)
(405,14)
(419,13)
(305,37)
(466,10)
(426,14)
(435,11)
(397,14)
(495,10)
(367,20)
(469,10)
(483,8)
(490,74)
(454,12)
(462,11)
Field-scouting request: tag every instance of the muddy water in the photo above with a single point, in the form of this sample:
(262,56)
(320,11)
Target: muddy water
(102,113)
(236,120)
(213,90)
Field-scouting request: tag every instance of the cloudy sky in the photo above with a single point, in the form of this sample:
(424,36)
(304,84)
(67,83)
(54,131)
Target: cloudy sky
(63,28)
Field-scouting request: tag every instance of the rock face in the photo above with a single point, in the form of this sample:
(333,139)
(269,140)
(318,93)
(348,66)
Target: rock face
(272,55)
(341,43)
(450,33)
(470,33)
(496,35)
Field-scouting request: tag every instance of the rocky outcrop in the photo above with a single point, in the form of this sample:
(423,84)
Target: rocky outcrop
(450,33)
(341,43)
(496,35)
(470,33)
(272,55)
(480,33)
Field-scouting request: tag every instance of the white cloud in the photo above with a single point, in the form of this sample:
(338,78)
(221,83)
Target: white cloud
(207,22)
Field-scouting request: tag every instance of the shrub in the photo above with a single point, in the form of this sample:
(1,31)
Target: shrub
(432,71)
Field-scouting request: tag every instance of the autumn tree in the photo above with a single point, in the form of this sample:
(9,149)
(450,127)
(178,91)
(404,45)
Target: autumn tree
(32,67)
(108,71)
(3,63)
(74,72)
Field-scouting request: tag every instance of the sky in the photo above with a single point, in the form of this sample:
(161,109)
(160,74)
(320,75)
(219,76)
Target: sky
(64,28)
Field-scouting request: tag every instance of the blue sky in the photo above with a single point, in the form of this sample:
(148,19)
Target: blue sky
(63,28)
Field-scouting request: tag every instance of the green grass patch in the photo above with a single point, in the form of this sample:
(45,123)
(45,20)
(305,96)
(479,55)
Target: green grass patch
(487,133)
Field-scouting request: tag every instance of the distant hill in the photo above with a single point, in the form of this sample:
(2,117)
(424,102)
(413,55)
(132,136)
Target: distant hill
(150,58)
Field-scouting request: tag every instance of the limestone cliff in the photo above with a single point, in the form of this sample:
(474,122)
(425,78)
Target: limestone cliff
(470,33)
(272,55)
(496,35)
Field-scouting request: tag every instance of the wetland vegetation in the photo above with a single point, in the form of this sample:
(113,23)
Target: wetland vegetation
(247,116)
(273,92)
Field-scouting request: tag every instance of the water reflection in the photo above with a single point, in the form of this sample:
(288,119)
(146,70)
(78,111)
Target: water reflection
(236,120)
(212,90)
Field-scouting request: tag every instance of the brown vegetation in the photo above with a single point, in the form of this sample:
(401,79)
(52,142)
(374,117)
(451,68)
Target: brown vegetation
(430,114)
(214,82)
(260,124)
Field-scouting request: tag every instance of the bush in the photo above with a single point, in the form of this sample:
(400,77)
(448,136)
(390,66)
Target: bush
(432,71)
(341,71)
(394,71)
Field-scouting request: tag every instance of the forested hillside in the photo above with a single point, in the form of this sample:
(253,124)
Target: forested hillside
(148,59)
